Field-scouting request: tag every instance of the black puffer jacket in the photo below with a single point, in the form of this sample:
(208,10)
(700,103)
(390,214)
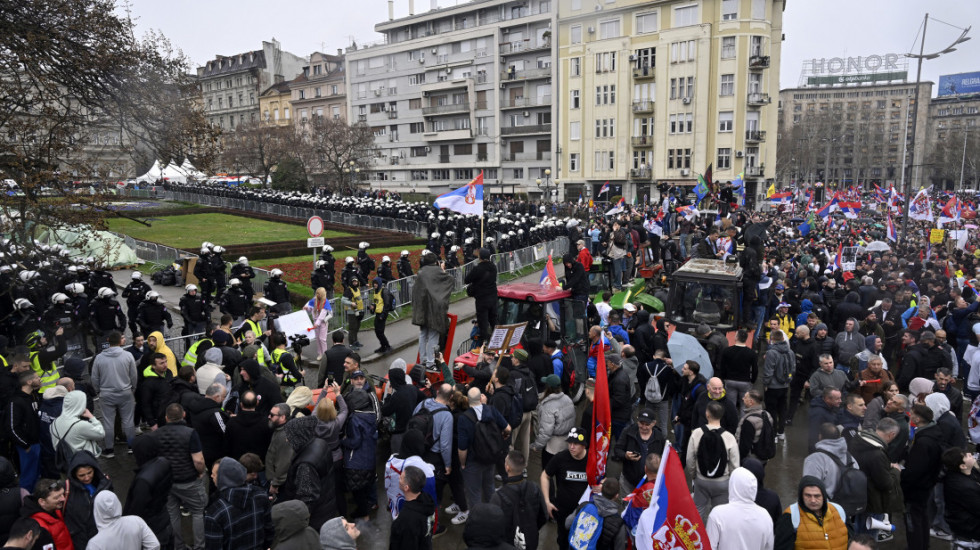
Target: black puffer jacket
(10,501)
(923,464)
(401,402)
(483,530)
(79,506)
(962,494)
(153,478)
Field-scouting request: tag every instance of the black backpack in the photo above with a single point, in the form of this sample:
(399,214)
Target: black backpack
(765,447)
(851,491)
(423,421)
(63,452)
(712,456)
(527,391)
(488,444)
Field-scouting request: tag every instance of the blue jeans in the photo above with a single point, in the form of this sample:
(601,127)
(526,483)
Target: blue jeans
(428,340)
(30,464)
(619,265)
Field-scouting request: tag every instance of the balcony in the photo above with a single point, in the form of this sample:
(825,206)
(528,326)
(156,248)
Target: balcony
(641,142)
(522,102)
(641,174)
(759,99)
(527,45)
(444,159)
(447,135)
(362,118)
(644,73)
(529,129)
(643,106)
(525,74)
(755,171)
(446,109)
(392,114)
(759,62)
(755,136)
(481,157)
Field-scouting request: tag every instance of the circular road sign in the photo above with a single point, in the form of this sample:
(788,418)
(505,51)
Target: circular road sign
(315,226)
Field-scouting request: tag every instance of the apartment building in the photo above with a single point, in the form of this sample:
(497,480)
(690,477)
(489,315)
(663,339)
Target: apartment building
(320,90)
(230,85)
(458,90)
(656,91)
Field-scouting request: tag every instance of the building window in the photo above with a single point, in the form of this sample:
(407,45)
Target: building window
(726,121)
(686,16)
(573,162)
(416,79)
(728,47)
(518,173)
(420,175)
(418,151)
(724,158)
(608,29)
(575,66)
(605,95)
(575,34)
(316,91)
(440,175)
(646,58)
(727,84)
(464,173)
(605,62)
(574,130)
(683,51)
(758,9)
(575,100)
(729,10)
(416,128)
(646,22)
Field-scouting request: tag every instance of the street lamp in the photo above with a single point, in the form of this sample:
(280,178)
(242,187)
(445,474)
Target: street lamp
(547,182)
(915,108)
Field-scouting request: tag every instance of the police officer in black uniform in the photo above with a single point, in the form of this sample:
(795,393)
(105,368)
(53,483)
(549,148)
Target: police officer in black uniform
(235,301)
(244,273)
(275,290)
(105,316)
(135,293)
(319,276)
(404,265)
(195,312)
(152,314)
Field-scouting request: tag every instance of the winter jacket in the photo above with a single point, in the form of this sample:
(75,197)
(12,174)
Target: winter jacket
(79,506)
(850,343)
(211,424)
(556,417)
(360,441)
(411,530)
(620,391)
(153,477)
(118,531)
(517,493)
(731,447)
(10,499)
(821,380)
(291,520)
(155,393)
(779,365)
(822,467)
(962,494)
(401,402)
(629,441)
(331,431)
(741,523)
(750,429)
(923,463)
(248,432)
(22,423)
(114,371)
(884,482)
(818,414)
(86,435)
(729,421)
(311,472)
(53,528)
(482,279)
(849,308)
(690,393)
(613,533)
(431,292)
(829,532)
(277,458)
(949,427)
(240,517)
(483,529)
(766,498)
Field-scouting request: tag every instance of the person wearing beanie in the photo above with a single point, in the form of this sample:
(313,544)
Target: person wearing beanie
(213,361)
(400,400)
(153,477)
(291,520)
(311,472)
(337,534)
(240,518)
(481,284)
(576,280)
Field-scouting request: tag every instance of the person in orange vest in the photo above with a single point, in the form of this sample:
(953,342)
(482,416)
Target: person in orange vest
(813,521)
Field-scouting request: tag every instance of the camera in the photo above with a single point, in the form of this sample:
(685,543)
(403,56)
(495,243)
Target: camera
(298,342)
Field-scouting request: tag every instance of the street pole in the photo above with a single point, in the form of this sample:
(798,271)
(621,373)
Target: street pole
(963,163)
(915,113)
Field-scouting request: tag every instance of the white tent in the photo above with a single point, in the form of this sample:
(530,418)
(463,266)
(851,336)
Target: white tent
(192,172)
(174,174)
(153,175)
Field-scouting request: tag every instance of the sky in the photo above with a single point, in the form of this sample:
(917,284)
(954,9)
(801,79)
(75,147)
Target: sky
(813,28)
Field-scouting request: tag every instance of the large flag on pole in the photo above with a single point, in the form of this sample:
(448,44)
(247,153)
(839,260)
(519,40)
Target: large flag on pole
(771,191)
(672,521)
(892,234)
(468,199)
(601,425)
(603,189)
(549,279)
(832,204)
(701,190)
(618,207)
(850,208)
(950,212)
(921,207)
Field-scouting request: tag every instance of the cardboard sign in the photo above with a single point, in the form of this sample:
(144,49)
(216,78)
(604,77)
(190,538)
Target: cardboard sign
(936,236)
(506,336)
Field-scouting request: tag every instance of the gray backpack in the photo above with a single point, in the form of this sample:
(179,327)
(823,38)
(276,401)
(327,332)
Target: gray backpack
(652,392)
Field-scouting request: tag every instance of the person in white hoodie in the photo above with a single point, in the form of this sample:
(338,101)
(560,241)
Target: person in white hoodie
(741,523)
(117,530)
(77,426)
(114,378)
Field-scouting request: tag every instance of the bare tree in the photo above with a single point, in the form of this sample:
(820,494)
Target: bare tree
(328,146)
(255,149)
(956,152)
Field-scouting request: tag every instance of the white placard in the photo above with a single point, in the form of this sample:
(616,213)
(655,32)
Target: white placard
(314,242)
(295,323)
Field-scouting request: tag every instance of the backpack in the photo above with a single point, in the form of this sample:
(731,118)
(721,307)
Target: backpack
(488,442)
(515,413)
(63,452)
(586,528)
(652,392)
(765,447)
(852,487)
(712,456)
(783,369)
(527,392)
(524,523)
(424,422)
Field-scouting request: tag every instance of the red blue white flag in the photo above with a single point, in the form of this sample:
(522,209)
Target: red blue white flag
(672,521)
(601,425)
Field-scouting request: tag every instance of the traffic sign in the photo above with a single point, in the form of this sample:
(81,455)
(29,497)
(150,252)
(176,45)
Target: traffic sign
(314,226)
(314,242)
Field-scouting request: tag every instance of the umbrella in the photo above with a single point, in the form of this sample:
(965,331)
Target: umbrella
(683,347)
(796,220)
(877,246)
(756,230)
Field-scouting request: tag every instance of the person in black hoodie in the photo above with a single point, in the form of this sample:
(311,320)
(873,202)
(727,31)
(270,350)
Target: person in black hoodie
(209,420)
(576,279)
(266,390)
(642,338)
(482,286)
(23,427)
(522,500)
(922,468)
(766,498)
(10,501)
(483,530)
(412,530)
(399,405)
(248,431)
(961,490)
(85,480)
(849,308)
(311,477)
(153,478)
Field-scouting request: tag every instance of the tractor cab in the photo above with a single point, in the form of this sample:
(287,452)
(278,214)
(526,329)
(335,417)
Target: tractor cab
(706,291)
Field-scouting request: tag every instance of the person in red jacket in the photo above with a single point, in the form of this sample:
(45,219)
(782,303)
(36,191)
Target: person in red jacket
(46,506)
(584,256)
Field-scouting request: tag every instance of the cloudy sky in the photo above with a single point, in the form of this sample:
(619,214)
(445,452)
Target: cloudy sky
(813,28)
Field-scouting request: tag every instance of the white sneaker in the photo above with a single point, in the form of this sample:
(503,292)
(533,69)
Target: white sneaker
(461,518)
(936,533)
(453,509)
(780,437)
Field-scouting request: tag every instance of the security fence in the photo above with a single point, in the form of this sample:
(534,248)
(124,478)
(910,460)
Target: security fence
(287,211)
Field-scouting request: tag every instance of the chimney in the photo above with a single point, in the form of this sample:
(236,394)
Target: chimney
(434,5)
(340,52)
(411,7)
(391,10)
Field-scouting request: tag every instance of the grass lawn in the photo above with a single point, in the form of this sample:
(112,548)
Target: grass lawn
(188,231)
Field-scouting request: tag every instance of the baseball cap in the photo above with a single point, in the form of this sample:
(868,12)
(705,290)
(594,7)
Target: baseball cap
(575,436)
(552,381)
(780,287)
(646,415)
(357,374)
(782,304)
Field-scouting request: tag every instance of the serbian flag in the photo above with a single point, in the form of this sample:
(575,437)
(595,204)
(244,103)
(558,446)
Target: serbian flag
(851,209)
(688,212)
(881,195)
(468,199)
(549,279)
(617,208)
(636,502)
(781,199)
(601,425)
(837,259)
(892,234)
(832,204)
(951,211)
(921,207)
(672,520)
(604,188)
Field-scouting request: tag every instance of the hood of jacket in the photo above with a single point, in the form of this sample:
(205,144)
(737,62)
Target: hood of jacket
(811,481)
(85,458)
(231,474)
(853,298)
(74,405)
(642,317)
(300,431)
(145,449)
(605,506)
(742,486)
(806,305)
(106,509)
(251,366)
(755,466)
(413,444)
(112,352)
(483,528)
(396,377)
(782,347)
(939,404)
(289,518)
(836,446)
(333,536)
(8,477)
(161,344)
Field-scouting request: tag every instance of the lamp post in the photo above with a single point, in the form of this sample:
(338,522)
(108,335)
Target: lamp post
(353,173)
(920,57)
(547,182)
